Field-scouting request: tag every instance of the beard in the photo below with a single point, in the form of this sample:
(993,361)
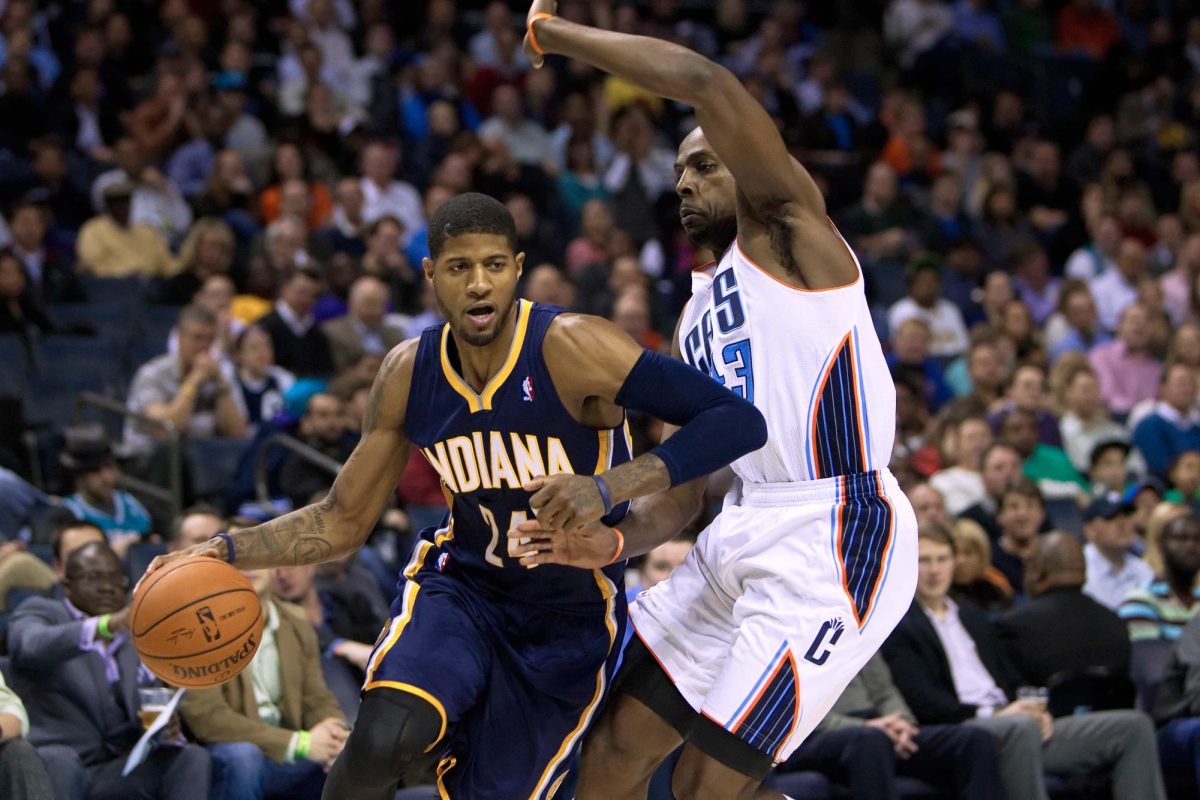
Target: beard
(716,236)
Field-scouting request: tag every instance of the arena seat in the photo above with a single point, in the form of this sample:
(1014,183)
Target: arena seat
(1148,662)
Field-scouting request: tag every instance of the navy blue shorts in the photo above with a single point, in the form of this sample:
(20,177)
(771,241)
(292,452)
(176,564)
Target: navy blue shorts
(516,686)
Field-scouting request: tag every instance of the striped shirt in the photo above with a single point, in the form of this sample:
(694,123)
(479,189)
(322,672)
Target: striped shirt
(1154,613)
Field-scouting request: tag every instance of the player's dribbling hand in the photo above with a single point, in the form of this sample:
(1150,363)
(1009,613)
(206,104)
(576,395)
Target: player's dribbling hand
(565,502)
(537,7)
(589,547)
(205,550)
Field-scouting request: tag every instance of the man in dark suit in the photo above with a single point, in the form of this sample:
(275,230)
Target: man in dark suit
(364,329)
(75,667)
(948,663)
(1034,637)
(300,346)
(870,736)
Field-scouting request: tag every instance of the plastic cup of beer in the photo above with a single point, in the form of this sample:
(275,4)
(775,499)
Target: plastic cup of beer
(1034,694)
(151,702)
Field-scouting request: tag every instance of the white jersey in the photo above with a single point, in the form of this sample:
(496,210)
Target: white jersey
(810,361)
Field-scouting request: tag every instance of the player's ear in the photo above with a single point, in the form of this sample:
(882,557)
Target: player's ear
(520,262)
(427,268)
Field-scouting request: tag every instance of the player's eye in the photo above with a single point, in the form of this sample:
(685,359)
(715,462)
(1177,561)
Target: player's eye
(707,166)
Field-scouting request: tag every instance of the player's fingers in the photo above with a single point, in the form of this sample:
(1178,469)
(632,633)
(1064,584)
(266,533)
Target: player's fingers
(531,527)
(533,485)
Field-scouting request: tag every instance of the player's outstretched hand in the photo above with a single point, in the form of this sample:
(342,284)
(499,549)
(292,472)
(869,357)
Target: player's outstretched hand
(590,547)
(537,7)
(565,502)
(205,550)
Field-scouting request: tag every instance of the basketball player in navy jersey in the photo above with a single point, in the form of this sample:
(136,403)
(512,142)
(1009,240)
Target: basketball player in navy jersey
(808,568)
(497,667)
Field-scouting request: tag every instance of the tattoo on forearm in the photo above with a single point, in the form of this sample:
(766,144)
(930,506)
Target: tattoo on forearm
(644,475)
(301,537)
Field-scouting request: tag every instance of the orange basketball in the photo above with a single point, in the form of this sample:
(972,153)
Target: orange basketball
(196,622)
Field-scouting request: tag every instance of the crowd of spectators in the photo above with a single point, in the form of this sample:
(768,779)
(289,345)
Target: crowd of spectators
(229,199)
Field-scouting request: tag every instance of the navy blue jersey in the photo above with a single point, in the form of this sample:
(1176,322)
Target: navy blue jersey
(486,445)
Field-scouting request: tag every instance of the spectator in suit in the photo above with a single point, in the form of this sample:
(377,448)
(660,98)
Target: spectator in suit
(1173,427)
(870,736)
(74,664)
(22,773)
(21,310)
(274,730)
(1034,638)
(364,329)
(51,272)
(948,663)
(1112,570)
(1161,609)
(190,389)
(300,346)
(323,427)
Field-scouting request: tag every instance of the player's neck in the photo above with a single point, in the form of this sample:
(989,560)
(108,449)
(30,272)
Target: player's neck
(478,364)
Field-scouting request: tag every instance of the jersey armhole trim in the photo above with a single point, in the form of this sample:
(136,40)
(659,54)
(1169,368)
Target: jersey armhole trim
(857,279)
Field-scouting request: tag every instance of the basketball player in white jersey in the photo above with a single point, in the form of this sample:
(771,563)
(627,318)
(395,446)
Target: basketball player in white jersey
(798,580)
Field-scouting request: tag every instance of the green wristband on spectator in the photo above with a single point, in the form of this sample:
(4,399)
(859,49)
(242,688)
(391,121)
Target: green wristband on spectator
(302,743)
(102,626)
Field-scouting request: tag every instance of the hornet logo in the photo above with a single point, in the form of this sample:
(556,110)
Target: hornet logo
(818,651)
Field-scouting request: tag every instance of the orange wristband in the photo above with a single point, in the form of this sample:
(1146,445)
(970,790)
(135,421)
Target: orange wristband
(620,545)
(533,42)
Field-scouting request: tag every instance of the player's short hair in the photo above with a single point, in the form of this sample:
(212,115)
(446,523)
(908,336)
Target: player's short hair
(937,532)
(470,212)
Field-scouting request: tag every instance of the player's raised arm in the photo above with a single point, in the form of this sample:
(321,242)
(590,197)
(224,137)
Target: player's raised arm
(594,361)
(339,524)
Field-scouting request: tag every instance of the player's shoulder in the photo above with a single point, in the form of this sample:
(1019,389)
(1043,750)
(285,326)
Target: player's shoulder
(400,360)
(573,331)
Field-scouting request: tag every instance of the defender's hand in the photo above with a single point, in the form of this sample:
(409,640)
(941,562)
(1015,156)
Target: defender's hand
(590,547)
(537,7)
(565,502)
(205,550)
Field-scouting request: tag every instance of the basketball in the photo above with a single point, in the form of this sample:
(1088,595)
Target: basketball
(196,622)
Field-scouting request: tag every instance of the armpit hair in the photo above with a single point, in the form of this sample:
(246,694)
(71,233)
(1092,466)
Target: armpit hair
(778,222)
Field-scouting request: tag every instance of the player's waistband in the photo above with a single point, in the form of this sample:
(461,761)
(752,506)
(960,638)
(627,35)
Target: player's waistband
(839,489)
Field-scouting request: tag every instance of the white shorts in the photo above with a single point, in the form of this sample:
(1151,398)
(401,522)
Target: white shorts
(785,597)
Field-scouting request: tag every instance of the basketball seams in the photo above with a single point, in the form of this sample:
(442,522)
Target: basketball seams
(224,644)
(221,593)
